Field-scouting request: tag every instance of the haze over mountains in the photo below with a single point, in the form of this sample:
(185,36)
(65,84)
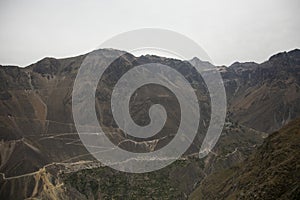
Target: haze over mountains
(42,156)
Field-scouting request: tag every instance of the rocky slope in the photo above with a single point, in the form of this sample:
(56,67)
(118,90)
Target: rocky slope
(272,172)
(265,96)
(37,128)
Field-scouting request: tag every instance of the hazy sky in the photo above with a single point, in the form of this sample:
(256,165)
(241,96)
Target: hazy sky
(228,30)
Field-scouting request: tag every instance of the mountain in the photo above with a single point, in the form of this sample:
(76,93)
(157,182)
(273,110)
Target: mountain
(271,172)
(265,96)
(41,150)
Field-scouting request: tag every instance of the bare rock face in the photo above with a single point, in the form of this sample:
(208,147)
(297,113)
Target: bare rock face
(37,127)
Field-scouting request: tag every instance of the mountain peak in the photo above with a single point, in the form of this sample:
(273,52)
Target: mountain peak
(198,62)
(286,55)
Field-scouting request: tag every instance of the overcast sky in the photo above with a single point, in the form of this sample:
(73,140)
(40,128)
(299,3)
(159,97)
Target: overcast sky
(228,30)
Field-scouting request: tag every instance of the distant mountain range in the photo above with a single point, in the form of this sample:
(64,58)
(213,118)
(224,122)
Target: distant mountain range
(42,156)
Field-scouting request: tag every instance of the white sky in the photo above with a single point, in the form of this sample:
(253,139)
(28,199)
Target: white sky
(228,30)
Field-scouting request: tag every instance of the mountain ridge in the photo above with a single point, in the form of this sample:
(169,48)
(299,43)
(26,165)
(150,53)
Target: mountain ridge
(36,110)
(276,55)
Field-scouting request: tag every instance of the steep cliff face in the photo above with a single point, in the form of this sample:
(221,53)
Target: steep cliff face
(272,172)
